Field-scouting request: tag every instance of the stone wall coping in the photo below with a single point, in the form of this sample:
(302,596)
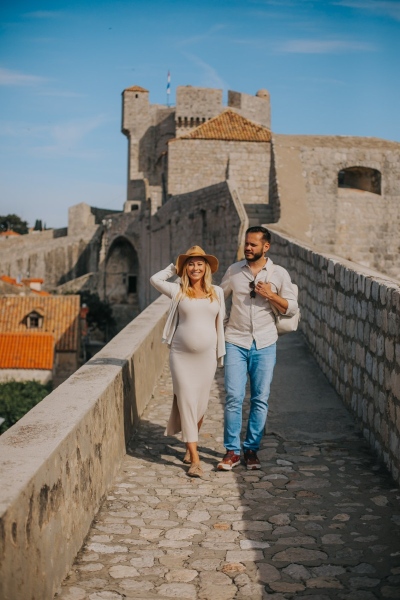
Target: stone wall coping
(25,446)
(382,278)
(335,141)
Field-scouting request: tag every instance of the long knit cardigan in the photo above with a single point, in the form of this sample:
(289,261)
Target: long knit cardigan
(172,290)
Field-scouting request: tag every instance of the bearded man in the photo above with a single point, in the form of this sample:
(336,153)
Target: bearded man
(256,284)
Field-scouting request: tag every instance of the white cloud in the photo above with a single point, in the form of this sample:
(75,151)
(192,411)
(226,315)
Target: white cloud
(386,8)
(60,94)
(323,46)
(15,78)
(72,132)
(211,78)
(201,37)
(59,139)
(43,14)
(321,80)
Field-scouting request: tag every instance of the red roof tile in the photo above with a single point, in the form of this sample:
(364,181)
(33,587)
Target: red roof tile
(26,351)
(231,127)
(60,317)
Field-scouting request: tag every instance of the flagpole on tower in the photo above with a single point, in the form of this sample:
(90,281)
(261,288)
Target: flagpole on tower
(168,87)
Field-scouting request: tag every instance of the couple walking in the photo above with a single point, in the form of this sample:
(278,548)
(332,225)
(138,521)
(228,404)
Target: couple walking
(195,333)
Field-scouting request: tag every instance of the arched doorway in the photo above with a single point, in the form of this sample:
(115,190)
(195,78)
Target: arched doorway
(121,281)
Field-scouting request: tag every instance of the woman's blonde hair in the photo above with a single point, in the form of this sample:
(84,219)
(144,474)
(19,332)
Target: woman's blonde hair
(186,287)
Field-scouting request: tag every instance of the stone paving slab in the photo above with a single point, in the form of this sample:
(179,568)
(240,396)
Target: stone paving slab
(320,521)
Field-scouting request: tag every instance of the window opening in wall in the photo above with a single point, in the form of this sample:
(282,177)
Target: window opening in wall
(136,95)
(34,320)
(134,207)
(132,281)
(360,178)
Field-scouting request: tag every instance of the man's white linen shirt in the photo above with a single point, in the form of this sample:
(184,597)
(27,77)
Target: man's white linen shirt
(252,318)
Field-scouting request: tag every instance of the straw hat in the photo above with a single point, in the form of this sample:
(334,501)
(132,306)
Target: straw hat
(198,252)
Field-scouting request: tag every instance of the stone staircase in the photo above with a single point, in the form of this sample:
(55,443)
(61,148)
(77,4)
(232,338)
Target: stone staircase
(258,214)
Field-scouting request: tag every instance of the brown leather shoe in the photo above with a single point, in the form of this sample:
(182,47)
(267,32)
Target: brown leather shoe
(251,460)
(229,461)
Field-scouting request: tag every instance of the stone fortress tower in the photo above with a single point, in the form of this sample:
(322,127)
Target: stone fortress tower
(158,169)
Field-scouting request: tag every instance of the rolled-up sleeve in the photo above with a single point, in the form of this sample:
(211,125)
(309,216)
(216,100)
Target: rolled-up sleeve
(286,291)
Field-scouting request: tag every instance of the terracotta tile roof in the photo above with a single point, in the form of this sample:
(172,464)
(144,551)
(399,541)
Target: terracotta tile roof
(60,317)
(231,127)
(10,280)
(25,284)
(135,88)
(29,280)
(26,351)
(8,233)
(40,292)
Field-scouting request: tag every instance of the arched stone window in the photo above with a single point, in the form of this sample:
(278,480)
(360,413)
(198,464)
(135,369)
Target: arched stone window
(360,178)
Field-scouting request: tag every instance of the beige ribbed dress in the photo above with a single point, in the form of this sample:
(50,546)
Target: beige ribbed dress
(193,362)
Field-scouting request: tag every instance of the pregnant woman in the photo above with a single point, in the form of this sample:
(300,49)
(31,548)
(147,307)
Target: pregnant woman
(194,331)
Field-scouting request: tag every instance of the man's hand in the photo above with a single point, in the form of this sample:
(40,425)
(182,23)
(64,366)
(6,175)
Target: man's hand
(265,290)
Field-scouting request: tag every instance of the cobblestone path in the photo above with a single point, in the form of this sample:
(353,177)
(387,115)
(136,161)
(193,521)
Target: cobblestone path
(320,521)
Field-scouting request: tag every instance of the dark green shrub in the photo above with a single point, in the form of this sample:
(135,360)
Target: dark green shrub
(18,397)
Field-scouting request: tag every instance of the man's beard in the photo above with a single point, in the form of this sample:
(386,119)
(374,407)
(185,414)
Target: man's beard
(255,257)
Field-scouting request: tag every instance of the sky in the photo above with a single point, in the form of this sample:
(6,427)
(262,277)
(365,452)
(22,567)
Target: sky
(331,67)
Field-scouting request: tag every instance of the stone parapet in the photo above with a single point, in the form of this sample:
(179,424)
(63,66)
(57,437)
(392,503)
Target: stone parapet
(58,461)
(351,319)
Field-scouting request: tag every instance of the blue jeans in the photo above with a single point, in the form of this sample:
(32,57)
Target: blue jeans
(259,364)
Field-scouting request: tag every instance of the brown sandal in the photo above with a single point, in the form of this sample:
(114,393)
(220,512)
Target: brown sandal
(186,459)
(195,470)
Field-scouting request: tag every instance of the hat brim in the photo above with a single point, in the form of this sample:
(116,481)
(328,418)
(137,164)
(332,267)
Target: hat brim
(182,258)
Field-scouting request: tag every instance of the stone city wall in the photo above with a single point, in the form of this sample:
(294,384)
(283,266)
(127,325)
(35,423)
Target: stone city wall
(359,225)
(194,164)
(58,461)
(56,260)
(351,319)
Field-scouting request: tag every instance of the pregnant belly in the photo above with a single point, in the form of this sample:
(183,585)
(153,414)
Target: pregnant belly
(194,339)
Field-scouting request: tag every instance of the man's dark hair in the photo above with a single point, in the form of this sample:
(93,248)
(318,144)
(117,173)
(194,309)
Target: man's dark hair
(258,229)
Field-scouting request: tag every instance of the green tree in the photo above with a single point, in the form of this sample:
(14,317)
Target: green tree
(100,313)
(13,223)
(38,225)
(18,397)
